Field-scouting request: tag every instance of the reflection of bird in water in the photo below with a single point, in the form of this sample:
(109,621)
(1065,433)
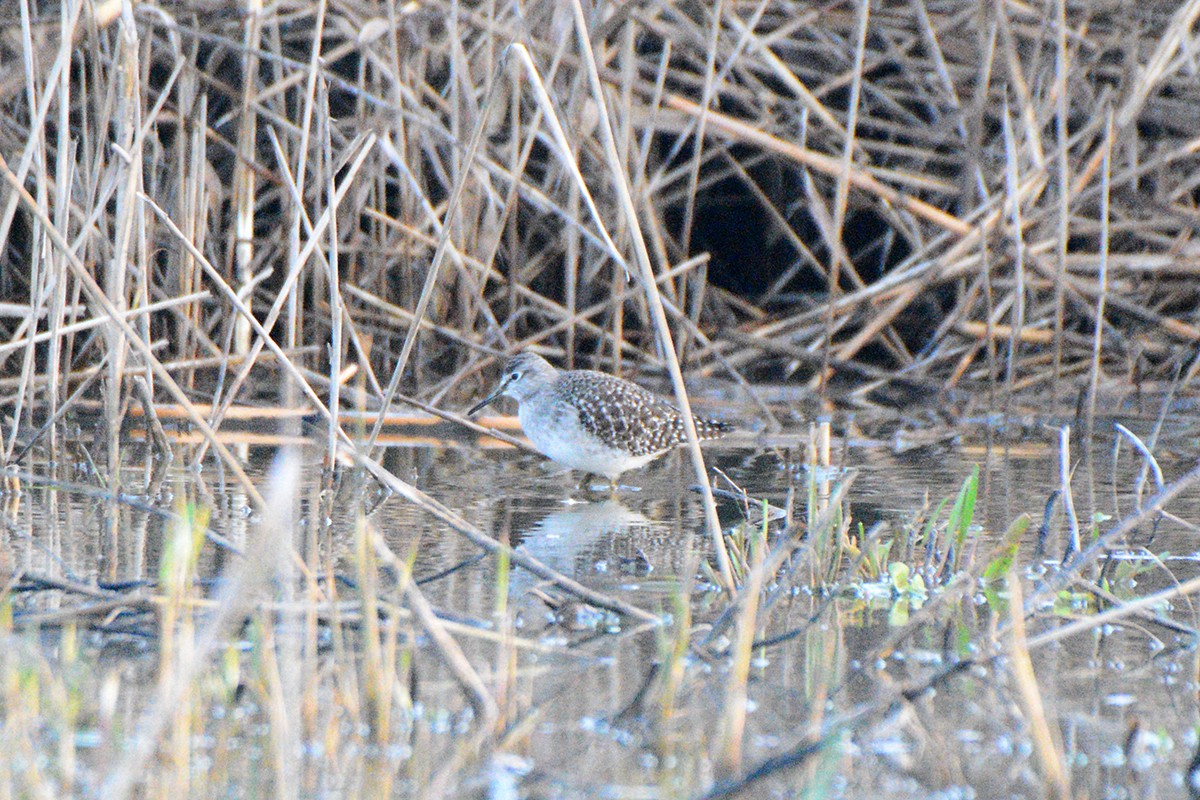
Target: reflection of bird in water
(590,530)
(590,421)
(599,544)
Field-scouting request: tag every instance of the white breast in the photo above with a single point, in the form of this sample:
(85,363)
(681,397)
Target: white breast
(560,438)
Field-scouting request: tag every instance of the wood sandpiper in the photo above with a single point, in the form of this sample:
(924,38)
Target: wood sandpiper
(590,421)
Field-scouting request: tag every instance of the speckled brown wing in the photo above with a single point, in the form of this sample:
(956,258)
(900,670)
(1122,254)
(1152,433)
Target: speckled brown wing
(625,416)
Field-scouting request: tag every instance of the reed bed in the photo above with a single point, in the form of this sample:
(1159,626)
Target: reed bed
(996,195)
(310,209)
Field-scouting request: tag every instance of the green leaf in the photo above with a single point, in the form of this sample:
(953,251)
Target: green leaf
(964,508)
(1006,553)
(917,590)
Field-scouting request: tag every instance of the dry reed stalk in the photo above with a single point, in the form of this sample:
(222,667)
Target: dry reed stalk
(653,298)
(1047,743)
(735,701)
(130,154)
(1065,471)
(1102,279)
(1146,607)
(448,650)
(244,184)
(1120,529)
(839,258)
(98,296)
(248,576)
(1154,71)
(263,339)
(1150,463)
(62,328)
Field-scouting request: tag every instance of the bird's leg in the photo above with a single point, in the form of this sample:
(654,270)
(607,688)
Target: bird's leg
(585,486)
(588,490)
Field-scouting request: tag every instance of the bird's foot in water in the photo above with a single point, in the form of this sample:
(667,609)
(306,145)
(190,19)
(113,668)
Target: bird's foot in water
(597,487)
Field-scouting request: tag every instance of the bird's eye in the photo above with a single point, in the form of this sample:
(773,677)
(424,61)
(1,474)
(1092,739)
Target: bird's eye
(514,376)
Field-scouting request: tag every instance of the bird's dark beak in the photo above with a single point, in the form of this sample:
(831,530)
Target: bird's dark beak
(487,401)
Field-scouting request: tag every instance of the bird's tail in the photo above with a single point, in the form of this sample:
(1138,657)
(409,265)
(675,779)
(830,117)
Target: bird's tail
(711,428)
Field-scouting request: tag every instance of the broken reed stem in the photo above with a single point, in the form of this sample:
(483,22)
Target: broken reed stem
(1123,527)
(1068,497)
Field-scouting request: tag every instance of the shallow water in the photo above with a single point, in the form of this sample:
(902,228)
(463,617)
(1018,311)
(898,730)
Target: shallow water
(590,713)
